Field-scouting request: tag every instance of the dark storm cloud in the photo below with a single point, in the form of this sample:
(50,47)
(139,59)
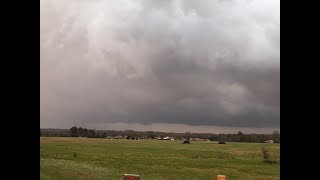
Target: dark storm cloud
(180,62)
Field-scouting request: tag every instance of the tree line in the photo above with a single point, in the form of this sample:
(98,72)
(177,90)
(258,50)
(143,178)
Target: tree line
(92,133)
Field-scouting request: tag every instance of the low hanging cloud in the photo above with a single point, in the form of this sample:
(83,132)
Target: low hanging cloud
(186,62)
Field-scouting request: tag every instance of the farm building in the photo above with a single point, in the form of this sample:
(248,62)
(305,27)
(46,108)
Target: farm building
(269,141)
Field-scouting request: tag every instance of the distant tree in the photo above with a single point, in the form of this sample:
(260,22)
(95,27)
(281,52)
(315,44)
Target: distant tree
(80,131)
(240,133)
(74,131)
(253,138)
(85,132)
(92,133)
(40,133)
(150,134)
(45,134)
(221,137)
(187,135)
(276,136)
(104,135)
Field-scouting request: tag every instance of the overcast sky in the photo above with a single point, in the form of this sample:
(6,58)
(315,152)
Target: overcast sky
(140,64)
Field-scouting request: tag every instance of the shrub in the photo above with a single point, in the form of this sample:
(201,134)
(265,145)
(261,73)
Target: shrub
(186,142)
(265,153)
(266,156)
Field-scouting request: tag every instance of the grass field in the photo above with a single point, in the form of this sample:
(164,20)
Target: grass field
(83,158)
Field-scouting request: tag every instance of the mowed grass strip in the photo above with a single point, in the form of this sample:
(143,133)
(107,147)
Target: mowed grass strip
(86,158)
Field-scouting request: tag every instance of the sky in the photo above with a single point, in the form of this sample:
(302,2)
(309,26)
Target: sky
(169,65)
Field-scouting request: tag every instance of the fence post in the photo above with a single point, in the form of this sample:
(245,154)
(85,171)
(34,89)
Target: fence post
(221,177)
(131,177)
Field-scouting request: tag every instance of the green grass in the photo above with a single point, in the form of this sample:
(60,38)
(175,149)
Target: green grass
(154,159)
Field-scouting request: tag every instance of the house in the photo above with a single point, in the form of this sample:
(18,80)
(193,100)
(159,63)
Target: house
(118,137)
(166,138)
(269,141)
